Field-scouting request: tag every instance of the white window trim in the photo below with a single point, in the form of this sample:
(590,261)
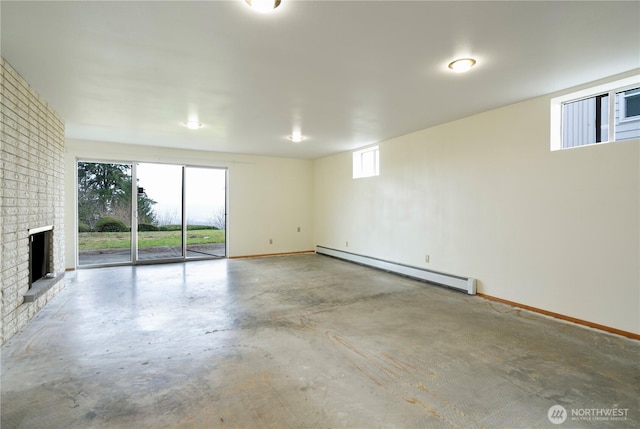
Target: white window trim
(359,170)
(556,107)
(623,107)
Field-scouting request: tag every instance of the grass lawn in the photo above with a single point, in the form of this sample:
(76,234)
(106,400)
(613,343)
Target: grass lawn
(122,240)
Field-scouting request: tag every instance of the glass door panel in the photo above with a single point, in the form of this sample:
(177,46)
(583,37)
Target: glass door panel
(104,213)
(159,216)
(205,202)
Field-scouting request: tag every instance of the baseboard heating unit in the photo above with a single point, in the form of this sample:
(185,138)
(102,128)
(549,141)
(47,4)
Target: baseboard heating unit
(465,284)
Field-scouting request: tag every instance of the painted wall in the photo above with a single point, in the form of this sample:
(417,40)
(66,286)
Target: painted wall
(268,198)
(485,197)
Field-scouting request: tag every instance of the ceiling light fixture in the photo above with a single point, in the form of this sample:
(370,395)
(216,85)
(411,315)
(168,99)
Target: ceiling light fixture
(193,125)
(263,5)
(296,137)
(462,65)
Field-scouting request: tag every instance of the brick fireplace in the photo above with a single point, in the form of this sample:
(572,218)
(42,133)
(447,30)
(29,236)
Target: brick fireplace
(31,193)
(40,255)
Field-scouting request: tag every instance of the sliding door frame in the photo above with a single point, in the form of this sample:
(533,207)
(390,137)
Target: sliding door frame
(134,239)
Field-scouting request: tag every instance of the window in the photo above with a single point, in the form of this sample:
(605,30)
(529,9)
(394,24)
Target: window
(603,114)
(366,162)
(629,104)
(585,121)
(141,212)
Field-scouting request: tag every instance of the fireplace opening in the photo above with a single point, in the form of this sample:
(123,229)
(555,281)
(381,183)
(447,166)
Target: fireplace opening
(39,254)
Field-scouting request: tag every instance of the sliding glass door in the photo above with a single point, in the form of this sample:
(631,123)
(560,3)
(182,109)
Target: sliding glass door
(178,213)
(205,209)
(159,211)
(104,213)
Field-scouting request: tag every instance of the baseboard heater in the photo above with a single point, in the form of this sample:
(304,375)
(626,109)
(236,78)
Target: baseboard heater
(465,284)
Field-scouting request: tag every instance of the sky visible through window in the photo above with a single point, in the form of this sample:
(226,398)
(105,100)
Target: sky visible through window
(205,192)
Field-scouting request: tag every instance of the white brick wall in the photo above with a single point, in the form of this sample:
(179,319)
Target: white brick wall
(31,193)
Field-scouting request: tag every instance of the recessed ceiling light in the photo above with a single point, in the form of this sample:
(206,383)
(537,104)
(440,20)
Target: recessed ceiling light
(462,65)
(263,5)
(296,137)
(193,125)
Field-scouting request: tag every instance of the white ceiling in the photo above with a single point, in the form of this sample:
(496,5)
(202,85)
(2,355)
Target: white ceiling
(348,73)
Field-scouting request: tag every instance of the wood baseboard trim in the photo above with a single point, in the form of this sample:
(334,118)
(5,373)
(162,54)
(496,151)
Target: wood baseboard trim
(563,317)
(266,255)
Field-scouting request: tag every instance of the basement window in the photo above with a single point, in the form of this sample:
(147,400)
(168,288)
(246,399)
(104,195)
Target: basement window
(366,162)
(603,114)
(630,105)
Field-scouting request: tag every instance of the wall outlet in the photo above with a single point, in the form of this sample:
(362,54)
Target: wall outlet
(298,229)
(347,244)
(271,241)
(426,258)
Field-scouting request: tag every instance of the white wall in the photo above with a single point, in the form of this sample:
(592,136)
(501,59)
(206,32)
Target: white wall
(269,198)
(486,198)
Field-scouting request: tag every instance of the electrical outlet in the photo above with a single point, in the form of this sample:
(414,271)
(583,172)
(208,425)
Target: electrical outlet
(271,241)
(426,258)
(347,244)
(298,229)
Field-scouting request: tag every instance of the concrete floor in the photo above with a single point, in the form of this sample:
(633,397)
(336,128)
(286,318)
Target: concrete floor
(302,341)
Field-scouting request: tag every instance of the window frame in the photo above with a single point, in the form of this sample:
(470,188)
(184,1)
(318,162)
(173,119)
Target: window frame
(610,88)
(360,170)
(622,108)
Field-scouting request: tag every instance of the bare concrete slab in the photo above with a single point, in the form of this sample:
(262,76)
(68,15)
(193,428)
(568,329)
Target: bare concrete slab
(302,341)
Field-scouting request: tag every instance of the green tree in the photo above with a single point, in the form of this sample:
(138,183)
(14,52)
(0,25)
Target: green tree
(105,190)
(146,213)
